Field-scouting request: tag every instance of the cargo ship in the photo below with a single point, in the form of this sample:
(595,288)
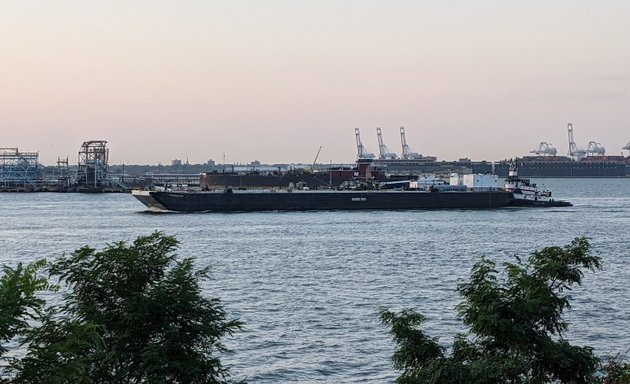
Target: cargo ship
(564,166)
(529,166)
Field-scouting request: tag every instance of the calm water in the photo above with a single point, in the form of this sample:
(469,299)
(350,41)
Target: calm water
(308,285)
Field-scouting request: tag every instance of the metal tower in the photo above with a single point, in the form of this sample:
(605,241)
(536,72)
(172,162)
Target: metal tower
(574,152)
(19,170)
(362,152)
(384,153)
(544,149)
(93,168)
(63,174)
(407,153)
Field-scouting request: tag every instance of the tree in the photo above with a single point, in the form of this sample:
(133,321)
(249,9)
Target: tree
(515,325)
(130,314)
(19,302)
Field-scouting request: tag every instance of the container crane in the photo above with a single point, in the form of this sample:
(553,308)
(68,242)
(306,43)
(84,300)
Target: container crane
(384,153)
(545,149)
(407,153)
(595,149)
(574,152)
(362,152)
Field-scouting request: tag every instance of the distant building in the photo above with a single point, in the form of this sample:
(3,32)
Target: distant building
(176,163)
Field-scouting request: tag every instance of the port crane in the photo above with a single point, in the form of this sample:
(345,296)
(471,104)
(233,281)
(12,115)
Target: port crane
(595,149)
(545,149)
(574,152)
(407,153)
(384,153)
(362,152)
(316,156)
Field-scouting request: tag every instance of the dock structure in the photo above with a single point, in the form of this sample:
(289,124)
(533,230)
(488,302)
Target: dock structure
(19,171)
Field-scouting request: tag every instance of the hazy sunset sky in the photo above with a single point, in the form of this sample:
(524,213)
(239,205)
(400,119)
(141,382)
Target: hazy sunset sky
(274,80)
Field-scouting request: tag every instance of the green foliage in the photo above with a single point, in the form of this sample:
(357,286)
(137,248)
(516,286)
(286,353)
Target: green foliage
(616,372)
(515,325)
(19,303)
(132,313)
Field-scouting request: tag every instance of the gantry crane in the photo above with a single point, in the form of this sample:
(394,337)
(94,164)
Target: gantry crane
(362,152)
(574,152)
(384,153)
(595,149)
(407,153)
(544,148)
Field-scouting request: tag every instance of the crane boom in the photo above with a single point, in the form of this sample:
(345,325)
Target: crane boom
(544,148)
(407,153)
(384,153)
(574,152)
(316,156)
(362,152)
(595,149)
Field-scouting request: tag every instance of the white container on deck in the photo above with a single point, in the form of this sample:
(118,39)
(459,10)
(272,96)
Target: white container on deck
(481,181)
(456,179)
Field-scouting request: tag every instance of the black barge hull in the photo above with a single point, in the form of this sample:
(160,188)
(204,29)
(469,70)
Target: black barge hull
(243,201)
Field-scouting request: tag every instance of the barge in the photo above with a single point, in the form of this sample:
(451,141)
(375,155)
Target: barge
(230,200)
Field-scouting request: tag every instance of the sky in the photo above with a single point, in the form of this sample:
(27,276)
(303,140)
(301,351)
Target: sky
(273,80)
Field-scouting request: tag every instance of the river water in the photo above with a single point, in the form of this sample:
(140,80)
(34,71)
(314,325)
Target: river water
(308,285)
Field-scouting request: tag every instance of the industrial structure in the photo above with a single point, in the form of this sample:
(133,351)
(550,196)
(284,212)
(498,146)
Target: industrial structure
(92,174)
(362,152)
(384,152)
(407,152)
(595,149)
(590,162)
(575,152)
(19,171)
(61,178)
(545,149)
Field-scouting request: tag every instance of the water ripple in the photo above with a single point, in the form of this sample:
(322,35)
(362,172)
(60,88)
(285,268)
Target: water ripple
(309,285)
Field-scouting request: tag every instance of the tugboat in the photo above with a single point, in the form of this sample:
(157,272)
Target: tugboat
(527,194)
